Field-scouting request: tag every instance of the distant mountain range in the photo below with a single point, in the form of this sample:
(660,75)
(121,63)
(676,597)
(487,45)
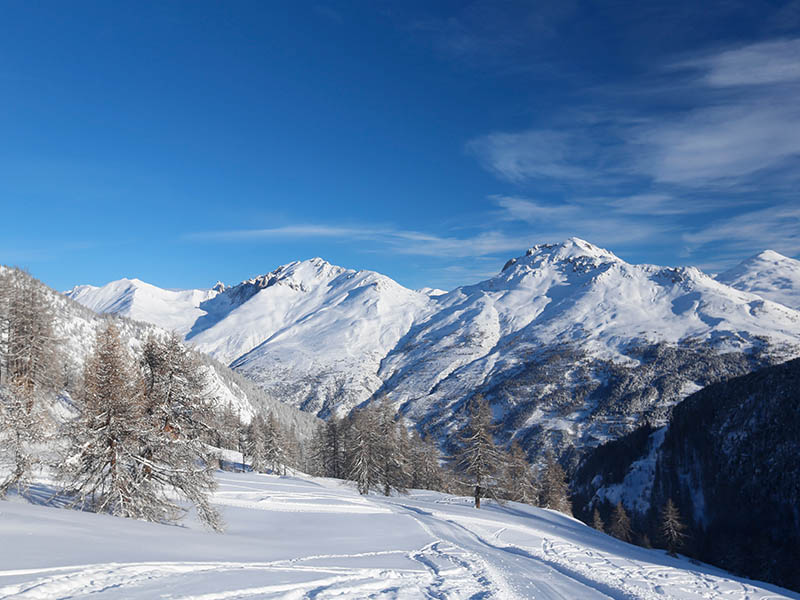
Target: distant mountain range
(571,344)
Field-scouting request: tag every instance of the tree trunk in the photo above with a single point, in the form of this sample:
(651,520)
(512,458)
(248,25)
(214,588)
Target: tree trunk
(477,496)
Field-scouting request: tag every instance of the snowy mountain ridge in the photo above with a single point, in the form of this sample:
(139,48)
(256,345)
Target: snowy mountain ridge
(568,341)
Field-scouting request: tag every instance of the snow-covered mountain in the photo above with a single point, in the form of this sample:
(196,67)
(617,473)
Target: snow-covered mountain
(570,343)
(309,331)
(173,310)
(76,327)
(768,274)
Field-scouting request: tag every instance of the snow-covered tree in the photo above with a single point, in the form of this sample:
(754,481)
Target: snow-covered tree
(479,458)
(28,368)
(20,429)
(28,346)
(671,527)
(554,492)
(136,442)
(274,445)
(102,467)
(393,449)
(620,524)
(256,444)
(177,416)
(364,457)
(426,472)
(329,448)
(517,479)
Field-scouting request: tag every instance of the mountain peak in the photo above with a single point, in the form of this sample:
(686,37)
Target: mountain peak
(772,256)
(769,274)
(571,248)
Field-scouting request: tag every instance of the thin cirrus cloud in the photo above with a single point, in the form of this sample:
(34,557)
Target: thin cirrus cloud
(743,118)
(532,154)
(484,243)
(776,228)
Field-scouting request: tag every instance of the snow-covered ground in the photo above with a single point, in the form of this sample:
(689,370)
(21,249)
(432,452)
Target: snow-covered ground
(315,538)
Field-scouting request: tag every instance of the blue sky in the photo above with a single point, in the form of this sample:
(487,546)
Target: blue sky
(185,142)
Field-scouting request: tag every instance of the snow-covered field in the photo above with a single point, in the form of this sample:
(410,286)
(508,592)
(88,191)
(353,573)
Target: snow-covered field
(315,538)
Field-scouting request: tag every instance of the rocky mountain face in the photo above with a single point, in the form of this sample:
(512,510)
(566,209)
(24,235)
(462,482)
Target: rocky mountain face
(571,345)
(728,458)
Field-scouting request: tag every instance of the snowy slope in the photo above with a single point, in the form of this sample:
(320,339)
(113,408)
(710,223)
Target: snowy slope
(312,538)
(169,309)
(768,274)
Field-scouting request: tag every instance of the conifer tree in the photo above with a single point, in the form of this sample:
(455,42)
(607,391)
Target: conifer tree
(137,440)
(479,458)
(426,472)
(620,524)
(274,445)
(28,346)
(597,521)
(393,449)
(328,448)
(19,430)
(518,483)
(671,527)
(177,416)
(364,458)
(256,444)
(102,467)
(554,492)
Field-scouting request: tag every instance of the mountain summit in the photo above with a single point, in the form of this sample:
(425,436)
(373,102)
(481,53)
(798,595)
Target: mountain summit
(768,274)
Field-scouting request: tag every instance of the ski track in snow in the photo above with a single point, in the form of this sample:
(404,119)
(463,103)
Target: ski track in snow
(502,552)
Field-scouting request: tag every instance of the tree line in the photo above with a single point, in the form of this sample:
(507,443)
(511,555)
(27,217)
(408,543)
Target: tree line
(373,448)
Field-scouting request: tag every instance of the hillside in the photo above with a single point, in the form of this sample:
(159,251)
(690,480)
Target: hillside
(728,459)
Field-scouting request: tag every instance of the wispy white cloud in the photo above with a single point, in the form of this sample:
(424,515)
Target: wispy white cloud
(401,241)
(777,228)
(601,224)
(738,117)
(526,155)
(763,63)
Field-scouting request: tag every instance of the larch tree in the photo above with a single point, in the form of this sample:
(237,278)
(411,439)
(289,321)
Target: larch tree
(554,489)
(426,472)
(328,448)
(177,416)
(28,367)
(256,444)
(274,445)
(364,456)
(393,449)
(597,521)
(671,528)
(620,524)
(518,482)
(102,467)
(479,458)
